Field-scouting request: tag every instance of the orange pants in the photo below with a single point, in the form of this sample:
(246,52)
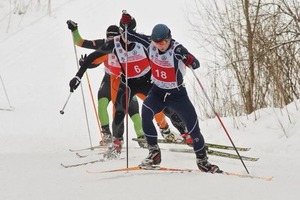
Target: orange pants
(114,85)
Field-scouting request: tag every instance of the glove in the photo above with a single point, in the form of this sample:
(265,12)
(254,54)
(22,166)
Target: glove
(74,83)
(72,25)
(126,18)
(82,59)
(188,60)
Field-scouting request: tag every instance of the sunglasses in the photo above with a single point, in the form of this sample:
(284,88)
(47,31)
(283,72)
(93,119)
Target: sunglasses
(110,37)
(161,43)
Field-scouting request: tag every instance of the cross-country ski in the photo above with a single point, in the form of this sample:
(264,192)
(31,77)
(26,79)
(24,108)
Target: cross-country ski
(168,169)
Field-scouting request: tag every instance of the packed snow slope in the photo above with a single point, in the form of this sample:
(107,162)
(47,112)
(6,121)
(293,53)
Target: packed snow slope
(37,62)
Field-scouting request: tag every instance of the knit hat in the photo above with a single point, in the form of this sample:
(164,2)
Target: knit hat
(112,30)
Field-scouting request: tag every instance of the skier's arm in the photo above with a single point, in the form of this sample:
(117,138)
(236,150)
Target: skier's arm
(140,38)
(100,53)
(92,44)
(96,57)
(181,53)
(79,41)
(95,63)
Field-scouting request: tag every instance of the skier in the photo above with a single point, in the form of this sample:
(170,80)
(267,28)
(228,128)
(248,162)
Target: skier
(168,61)
(110,83)
(139,79)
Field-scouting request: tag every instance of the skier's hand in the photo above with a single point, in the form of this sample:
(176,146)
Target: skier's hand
(82,59)
(72,25)
(126,18)
(188,59)
(74,83)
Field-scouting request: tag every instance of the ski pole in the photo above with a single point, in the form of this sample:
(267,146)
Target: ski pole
(62,110)
(95,110)
(222,124)
(83,98)
(10,107)
(126,91)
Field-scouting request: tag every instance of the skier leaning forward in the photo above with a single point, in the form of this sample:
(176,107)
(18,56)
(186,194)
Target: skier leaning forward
(110,83)
(168,61)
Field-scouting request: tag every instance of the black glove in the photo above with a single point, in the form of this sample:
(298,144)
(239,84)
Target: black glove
(82,59)
(74,83)
(72,25)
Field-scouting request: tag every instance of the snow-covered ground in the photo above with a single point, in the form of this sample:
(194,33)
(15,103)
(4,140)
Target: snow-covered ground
(37,62)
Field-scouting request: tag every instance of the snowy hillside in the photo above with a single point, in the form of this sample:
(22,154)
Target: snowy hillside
(37,62)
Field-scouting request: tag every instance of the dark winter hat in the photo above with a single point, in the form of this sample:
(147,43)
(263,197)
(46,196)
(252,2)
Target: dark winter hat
(160,32)
(112,30)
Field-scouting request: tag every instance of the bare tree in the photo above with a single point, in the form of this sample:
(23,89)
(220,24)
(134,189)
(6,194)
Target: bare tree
(257,48)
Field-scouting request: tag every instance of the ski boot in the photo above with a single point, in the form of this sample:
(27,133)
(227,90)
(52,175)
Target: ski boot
(167,134)
(154,157)
(107,137)
(143,145)
(205,166)
(114,151)
(187,139)
(117,145)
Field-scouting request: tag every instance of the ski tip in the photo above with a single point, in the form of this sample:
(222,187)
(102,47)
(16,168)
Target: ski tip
(266,178)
